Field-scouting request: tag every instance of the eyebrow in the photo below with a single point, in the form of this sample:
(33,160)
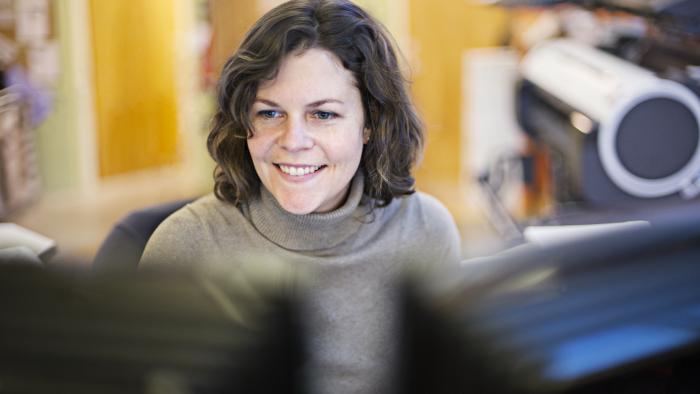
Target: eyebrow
(324,101)
(314,104)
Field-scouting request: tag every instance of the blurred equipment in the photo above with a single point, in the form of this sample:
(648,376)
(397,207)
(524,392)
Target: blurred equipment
(19,172)
(491,137)
(610,313)
(609,94)
(17,239)
(616,131)
(682,16)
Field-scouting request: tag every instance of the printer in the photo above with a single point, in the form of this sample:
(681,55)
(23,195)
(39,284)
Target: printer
(615,132)
(621,123)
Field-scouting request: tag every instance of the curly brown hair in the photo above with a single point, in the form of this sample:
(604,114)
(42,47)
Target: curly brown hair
(365,49)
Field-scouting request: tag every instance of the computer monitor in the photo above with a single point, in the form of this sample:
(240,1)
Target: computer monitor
(618,312)
(70,331)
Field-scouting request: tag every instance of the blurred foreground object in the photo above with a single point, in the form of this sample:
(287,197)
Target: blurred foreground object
(69,332)
(610,313)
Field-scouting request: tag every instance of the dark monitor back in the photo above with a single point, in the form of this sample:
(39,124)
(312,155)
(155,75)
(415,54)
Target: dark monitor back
(614,313)
(74,332)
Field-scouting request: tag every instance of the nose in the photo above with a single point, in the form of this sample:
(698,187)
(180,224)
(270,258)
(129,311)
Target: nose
(295,135)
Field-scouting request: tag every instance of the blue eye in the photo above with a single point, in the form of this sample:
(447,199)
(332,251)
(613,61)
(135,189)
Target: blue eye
(324,115)
(269,114)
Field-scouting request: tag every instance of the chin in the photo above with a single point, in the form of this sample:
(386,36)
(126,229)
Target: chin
(299,210)
(297,207)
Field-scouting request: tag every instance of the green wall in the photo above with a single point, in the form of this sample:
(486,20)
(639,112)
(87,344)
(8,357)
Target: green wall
(57,137)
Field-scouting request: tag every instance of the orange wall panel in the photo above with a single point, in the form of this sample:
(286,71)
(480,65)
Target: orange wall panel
(134,82)
(441,30)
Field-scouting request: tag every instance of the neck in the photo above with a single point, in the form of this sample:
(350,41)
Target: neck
(313,231)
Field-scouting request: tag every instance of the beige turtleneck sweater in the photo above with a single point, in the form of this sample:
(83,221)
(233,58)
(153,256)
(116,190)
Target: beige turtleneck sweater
(355,258)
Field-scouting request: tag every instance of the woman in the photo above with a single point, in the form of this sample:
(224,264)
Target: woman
(314,139)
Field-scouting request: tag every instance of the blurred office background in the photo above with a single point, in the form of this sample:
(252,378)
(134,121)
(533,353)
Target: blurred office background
(110,102)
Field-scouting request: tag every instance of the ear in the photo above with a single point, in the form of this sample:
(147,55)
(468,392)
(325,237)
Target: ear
(365,135)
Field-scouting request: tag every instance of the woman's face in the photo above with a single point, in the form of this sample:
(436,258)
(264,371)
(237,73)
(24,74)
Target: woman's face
(308,126)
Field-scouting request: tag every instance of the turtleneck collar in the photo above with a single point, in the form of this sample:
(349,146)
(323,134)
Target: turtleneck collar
(314,231)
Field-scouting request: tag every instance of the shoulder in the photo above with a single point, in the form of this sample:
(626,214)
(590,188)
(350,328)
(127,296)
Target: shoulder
(426,210)
(188,217)
(189,231)
(428,227)
(207,211)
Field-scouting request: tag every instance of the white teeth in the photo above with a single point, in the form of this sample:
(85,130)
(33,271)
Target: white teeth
(299,171)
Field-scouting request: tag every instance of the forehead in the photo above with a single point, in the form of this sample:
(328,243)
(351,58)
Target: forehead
(310,74)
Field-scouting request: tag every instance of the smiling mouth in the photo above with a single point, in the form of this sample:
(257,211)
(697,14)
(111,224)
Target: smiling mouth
(299,170)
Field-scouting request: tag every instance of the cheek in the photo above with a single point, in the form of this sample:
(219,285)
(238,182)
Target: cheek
(258,157)
(257,147)
(346,151)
